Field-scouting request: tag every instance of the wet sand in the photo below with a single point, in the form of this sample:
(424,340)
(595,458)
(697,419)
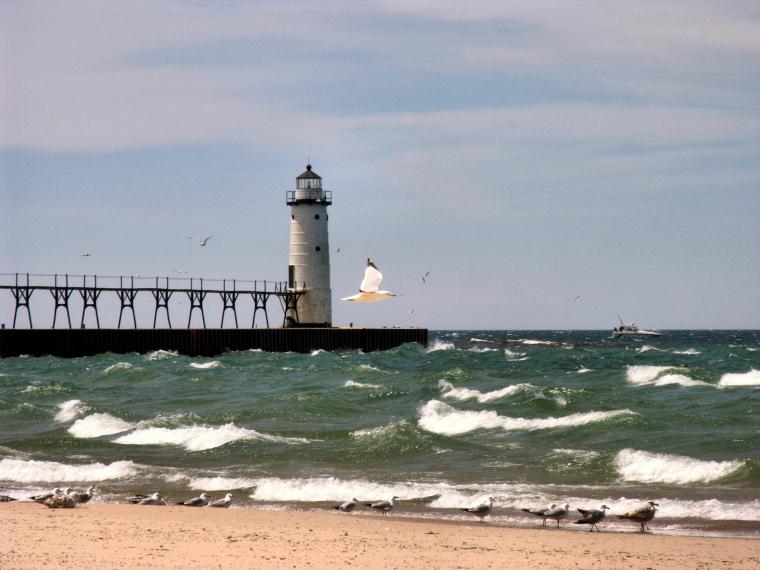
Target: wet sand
(129,536)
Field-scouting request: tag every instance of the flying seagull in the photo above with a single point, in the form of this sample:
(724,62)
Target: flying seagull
(424,277)
(201,501)
(348,506)
(481,509)
(201,241)
(540,511)
(222,503)
(642,515)
(592,516)
(369,289)
(382,506)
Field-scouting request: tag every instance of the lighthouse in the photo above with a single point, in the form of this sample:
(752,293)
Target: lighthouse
(309,260)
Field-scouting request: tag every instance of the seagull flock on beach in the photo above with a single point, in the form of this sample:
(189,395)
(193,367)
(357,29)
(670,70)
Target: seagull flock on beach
(69,498)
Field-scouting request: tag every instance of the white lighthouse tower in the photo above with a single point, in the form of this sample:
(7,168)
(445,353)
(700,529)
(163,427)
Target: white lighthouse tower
(309,261)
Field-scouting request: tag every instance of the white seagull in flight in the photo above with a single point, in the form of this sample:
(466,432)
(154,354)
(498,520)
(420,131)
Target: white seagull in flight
(369,290)
(201,241)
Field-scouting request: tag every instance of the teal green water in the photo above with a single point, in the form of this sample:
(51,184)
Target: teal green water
(528,417)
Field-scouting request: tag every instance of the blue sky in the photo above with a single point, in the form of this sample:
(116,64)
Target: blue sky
(524,153)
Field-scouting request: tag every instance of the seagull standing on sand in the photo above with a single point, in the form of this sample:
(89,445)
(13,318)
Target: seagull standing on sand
(222,503)
(84,497)
(592,516)
(482,509)
(557,513)
(348,506)
(201,501)
(154,500)
(540,512)
(369,290)
(6,499)
(642,515)
(382,506)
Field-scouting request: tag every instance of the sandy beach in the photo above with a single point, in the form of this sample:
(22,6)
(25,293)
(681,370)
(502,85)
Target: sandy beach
(127,536)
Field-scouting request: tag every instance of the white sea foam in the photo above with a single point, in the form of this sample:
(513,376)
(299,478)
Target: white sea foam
(206,365)
(118,366)
(437,417)
(688,352)
(317,352)
(584,370)
(482,349)
(646,467)
(97,425)
(532,341)
(480,340)
(44,389)
(220,483)
(680,380)
(370,367)
(334,489)
(513,354)
(647,348)
(378,431)
(199,437)
(441,345)
(751,378)
(464,394)
(160,354)
(32,471)
(645,374)
(70,410)
(582,454)
(352,384)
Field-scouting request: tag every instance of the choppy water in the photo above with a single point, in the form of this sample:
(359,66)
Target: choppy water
(527,417)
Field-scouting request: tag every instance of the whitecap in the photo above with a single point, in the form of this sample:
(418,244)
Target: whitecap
(160,354)
(370,367)
(647,348)
(680,380)
(464,394)
(199,437)
(513,354)
(644,374)
(70,410)
(220,483)
(32,471)
(317,352)
(581,454)
(352,384)
(378,431)
(39,388)
(206,365)
(647,467)
(532,341)
(688,352)
(751,378)
(441,345)
(97,425)
(118,366)
(480,340)
(584,370)
(437,417)
(482,349)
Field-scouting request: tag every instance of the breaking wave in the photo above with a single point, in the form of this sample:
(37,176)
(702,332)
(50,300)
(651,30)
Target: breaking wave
(206,365)
(220,483)
(440,345)
(440,418)
(660,376)
(352,384)
(378,431)
(97,425)
(160,354)
(688,352)
(751,378)
(70,410)
(31,471)
(199,437)
(118,366)
(646,467)
(464,394)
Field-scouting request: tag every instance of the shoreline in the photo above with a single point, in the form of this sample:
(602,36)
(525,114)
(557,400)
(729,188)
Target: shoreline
(111,535)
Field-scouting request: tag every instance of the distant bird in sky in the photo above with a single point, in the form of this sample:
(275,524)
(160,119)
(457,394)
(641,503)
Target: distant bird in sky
(424,277)
(337,250)
(86,255)
(369,290)
(411,311)
(574,299)
(180,271)
(201,241)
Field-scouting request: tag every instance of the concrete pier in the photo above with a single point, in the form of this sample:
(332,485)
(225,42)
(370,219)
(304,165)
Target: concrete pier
(200,342)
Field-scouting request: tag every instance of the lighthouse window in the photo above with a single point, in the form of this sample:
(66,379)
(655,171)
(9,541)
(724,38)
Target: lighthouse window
(316,216)
(318,248)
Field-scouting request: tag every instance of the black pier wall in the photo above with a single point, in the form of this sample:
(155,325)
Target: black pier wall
(200,342)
